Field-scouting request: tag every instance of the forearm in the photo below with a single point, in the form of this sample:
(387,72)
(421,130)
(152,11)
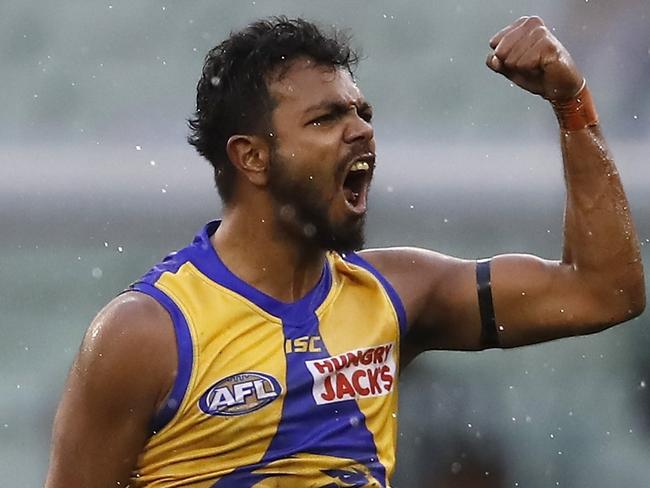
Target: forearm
(600,242)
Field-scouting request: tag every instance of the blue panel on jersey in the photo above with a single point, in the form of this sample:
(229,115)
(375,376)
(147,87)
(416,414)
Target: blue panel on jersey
(333,429)
(185,359)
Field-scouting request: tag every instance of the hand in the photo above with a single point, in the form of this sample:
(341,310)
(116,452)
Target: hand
(530,56)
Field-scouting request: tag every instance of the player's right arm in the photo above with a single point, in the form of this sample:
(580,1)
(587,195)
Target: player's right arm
(122,374)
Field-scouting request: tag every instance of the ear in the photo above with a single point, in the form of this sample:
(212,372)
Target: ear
(250,155)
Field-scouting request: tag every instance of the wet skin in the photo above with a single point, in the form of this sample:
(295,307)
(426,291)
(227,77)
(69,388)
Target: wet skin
(320,126)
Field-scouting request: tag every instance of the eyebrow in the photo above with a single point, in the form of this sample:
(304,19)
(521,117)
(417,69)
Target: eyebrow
(338,106)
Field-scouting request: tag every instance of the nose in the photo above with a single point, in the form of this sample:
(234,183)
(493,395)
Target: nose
(358,129)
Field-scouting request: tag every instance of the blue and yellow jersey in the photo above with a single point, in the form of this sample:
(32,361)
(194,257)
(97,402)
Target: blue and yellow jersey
(273,394)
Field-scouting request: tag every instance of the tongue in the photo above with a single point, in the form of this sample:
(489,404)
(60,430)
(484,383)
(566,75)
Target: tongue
(350,195)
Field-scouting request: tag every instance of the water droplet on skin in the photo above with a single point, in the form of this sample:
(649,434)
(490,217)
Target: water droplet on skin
(309,230)
(523,293)
(138,148)
(411,206)
(561,310)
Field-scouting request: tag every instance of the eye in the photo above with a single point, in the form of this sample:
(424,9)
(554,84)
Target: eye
(366,115)
(323,119)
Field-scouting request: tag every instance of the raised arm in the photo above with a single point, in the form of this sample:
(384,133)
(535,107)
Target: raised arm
(121,375)
(599,280)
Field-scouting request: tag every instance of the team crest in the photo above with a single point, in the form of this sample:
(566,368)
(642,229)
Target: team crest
(240,394)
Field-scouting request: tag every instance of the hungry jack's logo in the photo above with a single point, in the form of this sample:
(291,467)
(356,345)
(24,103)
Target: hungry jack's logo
(354,374)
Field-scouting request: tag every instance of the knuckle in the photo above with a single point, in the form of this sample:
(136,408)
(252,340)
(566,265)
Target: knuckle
(534,20)
(539,30)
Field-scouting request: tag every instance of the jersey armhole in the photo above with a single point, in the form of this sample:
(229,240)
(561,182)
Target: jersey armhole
(184,350)
(354,258)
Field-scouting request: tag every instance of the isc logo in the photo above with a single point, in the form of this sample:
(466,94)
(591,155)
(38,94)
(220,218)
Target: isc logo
(240,394)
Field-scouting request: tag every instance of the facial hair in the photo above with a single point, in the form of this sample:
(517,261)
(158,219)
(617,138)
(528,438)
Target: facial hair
(303,211)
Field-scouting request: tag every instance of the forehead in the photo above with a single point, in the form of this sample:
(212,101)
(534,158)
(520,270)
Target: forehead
(306,83)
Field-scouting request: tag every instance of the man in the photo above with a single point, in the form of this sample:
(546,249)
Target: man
(266,353)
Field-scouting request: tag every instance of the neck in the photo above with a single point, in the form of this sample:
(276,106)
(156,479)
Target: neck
(253,245)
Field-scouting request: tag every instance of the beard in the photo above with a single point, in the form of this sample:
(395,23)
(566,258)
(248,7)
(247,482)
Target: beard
(303,211)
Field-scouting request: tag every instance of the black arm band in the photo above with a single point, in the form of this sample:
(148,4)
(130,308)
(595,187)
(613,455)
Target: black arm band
(489,334)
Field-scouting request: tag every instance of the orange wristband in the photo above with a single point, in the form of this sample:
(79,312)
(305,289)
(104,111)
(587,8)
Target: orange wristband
(577,113)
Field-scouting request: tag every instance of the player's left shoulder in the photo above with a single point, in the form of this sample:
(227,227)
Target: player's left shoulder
(421,275)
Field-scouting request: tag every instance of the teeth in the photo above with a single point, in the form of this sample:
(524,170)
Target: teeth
(360,166)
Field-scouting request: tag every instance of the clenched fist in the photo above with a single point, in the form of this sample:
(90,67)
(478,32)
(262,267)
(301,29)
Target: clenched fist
(529,55)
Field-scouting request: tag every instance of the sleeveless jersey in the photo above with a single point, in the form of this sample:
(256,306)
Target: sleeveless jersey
(274,394)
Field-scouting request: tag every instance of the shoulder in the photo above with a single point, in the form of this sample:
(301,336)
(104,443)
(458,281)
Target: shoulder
(132,333)
(411,266)
(425,280)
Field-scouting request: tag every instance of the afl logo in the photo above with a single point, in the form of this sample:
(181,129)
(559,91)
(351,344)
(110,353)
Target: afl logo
(239,394)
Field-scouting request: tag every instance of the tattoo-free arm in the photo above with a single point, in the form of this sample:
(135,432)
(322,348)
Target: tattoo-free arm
(121,374)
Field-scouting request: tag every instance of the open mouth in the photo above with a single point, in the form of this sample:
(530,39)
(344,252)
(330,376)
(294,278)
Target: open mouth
(356,184)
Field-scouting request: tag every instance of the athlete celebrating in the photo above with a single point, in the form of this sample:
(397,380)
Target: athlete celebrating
(266,353)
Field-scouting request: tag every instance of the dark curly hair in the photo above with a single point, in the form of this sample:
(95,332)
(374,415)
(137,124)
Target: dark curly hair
(232,95)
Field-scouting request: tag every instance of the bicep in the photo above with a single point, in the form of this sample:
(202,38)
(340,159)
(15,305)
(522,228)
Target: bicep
(534,300)
(111,393)
(537,300)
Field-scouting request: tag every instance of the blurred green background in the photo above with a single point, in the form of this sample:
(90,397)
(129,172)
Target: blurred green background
(97,183)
